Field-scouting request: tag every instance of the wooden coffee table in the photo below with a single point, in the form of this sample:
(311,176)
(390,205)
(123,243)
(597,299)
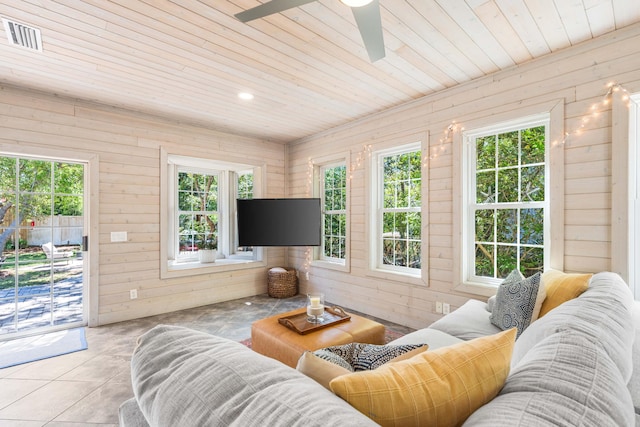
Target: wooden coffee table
(272,339)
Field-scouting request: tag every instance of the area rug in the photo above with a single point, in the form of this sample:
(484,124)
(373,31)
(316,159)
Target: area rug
(389,336)
(30,349)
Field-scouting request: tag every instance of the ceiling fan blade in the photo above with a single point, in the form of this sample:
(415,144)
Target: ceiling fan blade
(269,8)
(370,26)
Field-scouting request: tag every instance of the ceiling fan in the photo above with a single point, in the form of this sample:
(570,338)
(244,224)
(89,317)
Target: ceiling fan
(366,13)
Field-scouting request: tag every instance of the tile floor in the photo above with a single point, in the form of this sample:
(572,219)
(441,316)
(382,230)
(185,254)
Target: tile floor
(87,387)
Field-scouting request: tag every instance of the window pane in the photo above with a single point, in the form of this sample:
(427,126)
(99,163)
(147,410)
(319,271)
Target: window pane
(334,199)
(532,226)
(35,176)
(507,260)
(507,226)
(508,149)
(507,185)
(484,225)
(390,195)
(68,205)
(245,186)
(486,152)
(533,143)
(69,178)
(414,224)
(484,260)
(485,187)
(531,260)
(533,184)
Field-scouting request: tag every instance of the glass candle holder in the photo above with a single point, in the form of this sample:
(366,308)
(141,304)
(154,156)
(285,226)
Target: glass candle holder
(315,307)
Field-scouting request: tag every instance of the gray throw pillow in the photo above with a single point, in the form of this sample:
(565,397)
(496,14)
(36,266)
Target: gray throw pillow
(518,302)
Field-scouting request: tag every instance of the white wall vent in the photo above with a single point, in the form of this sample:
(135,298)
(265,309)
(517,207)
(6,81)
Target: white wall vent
(22,35)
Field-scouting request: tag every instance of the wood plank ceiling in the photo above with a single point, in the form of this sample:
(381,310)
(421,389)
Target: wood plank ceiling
(307,67)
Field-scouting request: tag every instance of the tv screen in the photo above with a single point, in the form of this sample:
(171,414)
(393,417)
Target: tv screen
(279,222)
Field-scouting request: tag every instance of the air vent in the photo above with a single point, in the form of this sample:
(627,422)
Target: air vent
(23,35)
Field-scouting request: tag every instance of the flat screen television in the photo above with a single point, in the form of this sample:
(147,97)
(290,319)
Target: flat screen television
(279,222)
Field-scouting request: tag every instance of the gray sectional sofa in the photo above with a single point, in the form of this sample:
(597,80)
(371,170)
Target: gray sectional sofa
(577,365)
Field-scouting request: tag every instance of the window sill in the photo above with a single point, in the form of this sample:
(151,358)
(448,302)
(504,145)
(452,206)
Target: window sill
(408,278)
(331,265)
(194,268)
(476,288)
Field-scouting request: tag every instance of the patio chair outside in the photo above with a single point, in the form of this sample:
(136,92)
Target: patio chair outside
(54,253)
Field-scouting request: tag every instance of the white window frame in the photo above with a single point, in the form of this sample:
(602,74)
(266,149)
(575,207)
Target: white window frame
(554,214)
(227,259)
(326,212)
(469,194)
(377,196)
(319,164)
(235,254)
(625,192)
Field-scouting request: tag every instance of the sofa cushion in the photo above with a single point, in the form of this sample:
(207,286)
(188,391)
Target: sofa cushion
(562,287)
(566,380)
(469,321)
(183,377)
(433,337)
(518,302)
(602,313)
(440,387)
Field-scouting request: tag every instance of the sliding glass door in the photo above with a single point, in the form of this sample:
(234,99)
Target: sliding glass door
(42,224)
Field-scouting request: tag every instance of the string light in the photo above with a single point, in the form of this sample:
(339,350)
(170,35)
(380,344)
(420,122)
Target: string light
(447,137)
(365,153)
(596,109)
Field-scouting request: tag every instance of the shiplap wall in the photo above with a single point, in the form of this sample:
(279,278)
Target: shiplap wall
(126,148)
(577,76)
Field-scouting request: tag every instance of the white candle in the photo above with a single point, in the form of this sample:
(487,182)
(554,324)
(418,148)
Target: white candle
(315,311)
(315,302)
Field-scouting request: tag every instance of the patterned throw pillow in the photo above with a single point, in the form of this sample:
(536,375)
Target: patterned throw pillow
(364,357)
(518,302)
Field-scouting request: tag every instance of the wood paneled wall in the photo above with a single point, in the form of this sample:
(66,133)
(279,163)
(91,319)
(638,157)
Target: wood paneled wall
(126,148)
(578,76)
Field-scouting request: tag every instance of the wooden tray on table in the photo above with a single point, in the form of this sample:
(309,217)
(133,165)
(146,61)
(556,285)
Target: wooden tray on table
(298,322)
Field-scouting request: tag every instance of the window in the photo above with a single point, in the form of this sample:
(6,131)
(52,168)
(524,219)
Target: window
(197,212)
(507,201)
(398,213)
(201,212)
(244,185)
(333,185)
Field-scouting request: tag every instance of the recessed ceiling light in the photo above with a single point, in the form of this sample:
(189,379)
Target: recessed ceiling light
(356,3)
(245,95)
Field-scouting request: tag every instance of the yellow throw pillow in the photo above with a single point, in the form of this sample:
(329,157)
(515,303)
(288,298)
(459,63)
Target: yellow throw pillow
(435,388)
(562,287)
(323,371)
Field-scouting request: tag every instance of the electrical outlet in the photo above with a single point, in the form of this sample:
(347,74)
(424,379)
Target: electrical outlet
(446,308)
(438,307)
(133,294)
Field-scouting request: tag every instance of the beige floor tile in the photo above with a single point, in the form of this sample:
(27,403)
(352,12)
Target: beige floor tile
(48,401)
(12,390)
(18,423)
(101,406)
(101,368)
(52,368)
